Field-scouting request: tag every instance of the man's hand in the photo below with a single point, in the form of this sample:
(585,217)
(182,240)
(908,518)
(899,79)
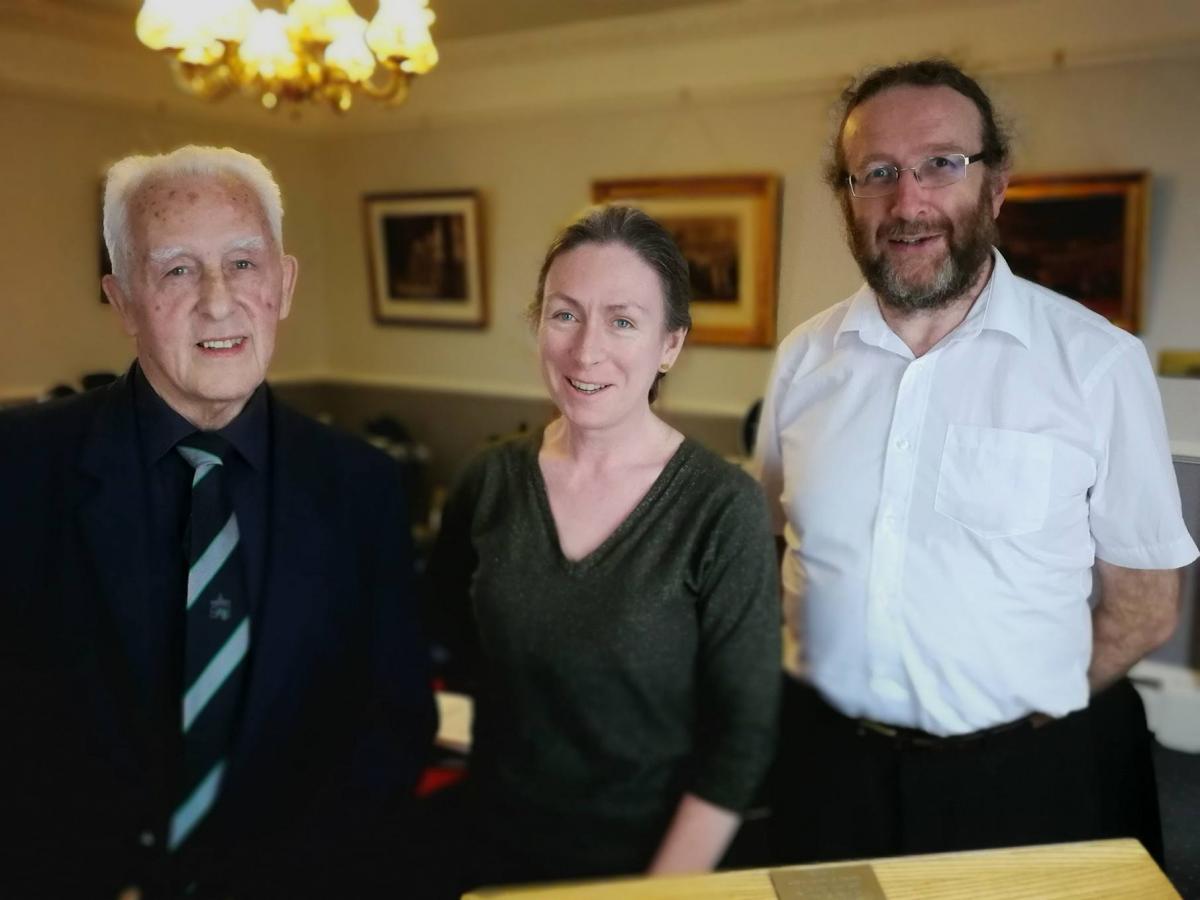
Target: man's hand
(1137,612)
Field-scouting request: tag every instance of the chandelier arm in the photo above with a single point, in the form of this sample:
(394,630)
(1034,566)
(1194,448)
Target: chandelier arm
(209,82)
(396,79)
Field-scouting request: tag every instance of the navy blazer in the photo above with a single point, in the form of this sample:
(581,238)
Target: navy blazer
(338,714)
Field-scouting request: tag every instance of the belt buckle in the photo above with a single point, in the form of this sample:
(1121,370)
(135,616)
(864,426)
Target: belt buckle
(879,728)
(901,738)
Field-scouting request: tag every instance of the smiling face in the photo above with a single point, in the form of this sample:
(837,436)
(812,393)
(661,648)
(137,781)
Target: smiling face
(207,287)
(921,247)
(602,335)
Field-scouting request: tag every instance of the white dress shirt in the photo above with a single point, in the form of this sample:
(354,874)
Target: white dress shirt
(942,514)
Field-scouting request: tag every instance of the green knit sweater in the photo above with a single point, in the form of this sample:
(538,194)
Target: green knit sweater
(609,686)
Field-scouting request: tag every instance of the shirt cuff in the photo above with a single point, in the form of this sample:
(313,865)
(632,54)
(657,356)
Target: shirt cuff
(1171,555)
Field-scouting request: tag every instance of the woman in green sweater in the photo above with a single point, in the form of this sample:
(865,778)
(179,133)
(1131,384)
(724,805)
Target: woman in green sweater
(613,586)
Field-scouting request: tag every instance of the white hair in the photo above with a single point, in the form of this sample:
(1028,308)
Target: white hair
(128,176)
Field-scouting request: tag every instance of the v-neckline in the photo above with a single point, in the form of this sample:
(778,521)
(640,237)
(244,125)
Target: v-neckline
(550,526)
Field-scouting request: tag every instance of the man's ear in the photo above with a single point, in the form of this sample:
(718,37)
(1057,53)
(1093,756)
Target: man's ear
(999,184)
(121,303)
(291,270)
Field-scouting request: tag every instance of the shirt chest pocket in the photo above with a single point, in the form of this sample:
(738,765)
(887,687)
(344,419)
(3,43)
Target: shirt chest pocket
(995,481)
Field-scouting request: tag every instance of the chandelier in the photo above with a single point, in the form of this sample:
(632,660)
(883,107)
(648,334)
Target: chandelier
(318,50)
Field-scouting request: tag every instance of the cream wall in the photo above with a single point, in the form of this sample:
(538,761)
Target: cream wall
(534,173)
(530,120)
(54,154)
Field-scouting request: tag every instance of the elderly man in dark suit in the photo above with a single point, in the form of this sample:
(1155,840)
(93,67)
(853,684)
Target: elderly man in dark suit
(211,675)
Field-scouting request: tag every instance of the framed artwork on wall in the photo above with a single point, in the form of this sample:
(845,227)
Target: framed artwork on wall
(1081,235)
(728,229)
(1179,363)
(425,259)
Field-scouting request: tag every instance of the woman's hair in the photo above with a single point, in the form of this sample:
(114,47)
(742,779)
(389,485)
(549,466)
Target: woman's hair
(651,242)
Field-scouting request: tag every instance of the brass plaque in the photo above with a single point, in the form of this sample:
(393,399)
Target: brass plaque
(828,883)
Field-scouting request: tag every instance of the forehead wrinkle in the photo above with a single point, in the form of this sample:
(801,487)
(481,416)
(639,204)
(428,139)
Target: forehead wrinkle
(938,108)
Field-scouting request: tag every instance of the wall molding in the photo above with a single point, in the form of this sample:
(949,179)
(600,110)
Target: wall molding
(471,387)
(719,53)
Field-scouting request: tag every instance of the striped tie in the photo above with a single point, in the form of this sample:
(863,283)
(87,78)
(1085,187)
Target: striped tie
(218,635)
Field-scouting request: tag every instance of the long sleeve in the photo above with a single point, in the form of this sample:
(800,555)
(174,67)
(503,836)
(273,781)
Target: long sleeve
(739,654)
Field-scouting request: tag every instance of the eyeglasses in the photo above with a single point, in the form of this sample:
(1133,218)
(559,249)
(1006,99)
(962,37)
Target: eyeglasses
(881,179)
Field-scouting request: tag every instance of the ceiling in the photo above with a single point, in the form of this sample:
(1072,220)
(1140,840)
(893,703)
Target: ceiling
(474,18)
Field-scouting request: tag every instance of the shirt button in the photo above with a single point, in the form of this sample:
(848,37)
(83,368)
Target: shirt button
(146,838)
(902,444)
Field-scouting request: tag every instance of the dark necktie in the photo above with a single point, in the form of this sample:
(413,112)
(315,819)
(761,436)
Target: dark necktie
(217,635)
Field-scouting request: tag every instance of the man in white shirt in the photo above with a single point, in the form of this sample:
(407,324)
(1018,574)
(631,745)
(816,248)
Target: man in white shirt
(947,452)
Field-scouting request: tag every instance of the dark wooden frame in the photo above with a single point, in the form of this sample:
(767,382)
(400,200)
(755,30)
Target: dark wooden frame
(469,312)
(756,198)
(1068,262)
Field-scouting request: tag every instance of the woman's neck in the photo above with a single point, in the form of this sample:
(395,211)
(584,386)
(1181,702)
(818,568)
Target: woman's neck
(633,442)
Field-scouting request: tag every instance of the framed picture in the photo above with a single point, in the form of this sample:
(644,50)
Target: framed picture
(728,229)
(1179,363)
(1081,235)
(425,255)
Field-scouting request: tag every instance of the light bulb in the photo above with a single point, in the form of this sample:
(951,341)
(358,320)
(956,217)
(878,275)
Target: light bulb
(400,30)
(315,20)
(267,51)
(348,51)
(172,24)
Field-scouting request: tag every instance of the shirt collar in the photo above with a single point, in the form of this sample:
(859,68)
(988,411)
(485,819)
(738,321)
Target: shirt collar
(999,307)
(161,427)
(1006,308)
(863,316)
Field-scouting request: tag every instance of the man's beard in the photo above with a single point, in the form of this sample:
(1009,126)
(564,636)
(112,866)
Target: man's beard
(970,245)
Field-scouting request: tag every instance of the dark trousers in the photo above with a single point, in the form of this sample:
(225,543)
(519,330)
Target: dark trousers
(840,790)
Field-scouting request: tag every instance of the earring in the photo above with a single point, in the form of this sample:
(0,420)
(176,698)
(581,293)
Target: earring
(664,368)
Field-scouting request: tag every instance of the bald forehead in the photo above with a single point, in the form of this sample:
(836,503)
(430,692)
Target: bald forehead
(910,118)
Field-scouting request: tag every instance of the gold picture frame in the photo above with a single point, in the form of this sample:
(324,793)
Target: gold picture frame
(728,229)
(425,258)
(1082,235)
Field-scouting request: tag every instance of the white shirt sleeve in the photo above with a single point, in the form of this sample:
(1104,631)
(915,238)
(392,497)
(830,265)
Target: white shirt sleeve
(1134,506)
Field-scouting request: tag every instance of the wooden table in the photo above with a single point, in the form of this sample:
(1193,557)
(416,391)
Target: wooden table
(1094,869)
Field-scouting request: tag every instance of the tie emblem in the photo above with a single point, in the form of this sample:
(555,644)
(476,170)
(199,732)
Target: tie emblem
(220,608)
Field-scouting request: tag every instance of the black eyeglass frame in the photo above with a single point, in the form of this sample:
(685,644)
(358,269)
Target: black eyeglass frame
(981,156)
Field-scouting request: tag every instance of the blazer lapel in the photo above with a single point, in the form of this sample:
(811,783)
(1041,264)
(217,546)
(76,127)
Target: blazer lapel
(112,510)
(290,620)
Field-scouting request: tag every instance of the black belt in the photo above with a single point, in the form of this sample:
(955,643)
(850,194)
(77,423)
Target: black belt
(904,738)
